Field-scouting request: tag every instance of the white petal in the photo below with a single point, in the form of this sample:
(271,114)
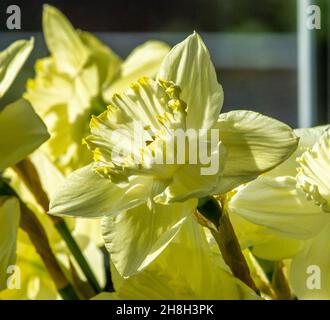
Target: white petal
(190,67)
(63,41)
(136,237)
(278,205)
(11,61)
(255,144)
(84,193)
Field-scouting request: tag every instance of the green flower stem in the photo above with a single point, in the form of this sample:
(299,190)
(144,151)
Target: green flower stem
(68,293)
(28,173)
(63,229)
(224,234)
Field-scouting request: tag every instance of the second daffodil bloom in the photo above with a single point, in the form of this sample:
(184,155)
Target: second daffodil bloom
(157,195)
(74,82)
(291,225)
(310,268)
(277,213)
(21,132)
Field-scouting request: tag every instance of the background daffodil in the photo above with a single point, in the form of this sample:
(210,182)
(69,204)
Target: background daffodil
(73,83)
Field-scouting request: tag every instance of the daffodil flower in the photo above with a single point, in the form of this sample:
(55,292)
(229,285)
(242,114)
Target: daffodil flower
(157,197)
(289,211)
(271,214)
(21,132)
(314,259)
(74,81)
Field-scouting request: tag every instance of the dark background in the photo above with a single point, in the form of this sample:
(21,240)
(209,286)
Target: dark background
(253,43)
(164,15)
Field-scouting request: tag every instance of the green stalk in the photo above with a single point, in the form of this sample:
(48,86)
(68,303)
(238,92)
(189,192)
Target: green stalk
(28,173)
(216,219)
(76,252)
(68,293)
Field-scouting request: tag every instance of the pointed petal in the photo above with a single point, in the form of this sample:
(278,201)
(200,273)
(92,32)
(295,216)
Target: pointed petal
(255,144)
(11,61)
(63,41)
(84,193)
(21,132)
(136,237)
(278,205)
(189,66)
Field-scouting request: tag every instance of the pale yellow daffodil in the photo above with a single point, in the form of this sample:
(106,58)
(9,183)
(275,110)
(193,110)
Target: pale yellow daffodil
(157,198)
(273,201)
(309,270)
(74,81)
(285,223)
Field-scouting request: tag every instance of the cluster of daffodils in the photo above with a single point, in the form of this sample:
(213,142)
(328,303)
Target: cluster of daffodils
(122,179)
